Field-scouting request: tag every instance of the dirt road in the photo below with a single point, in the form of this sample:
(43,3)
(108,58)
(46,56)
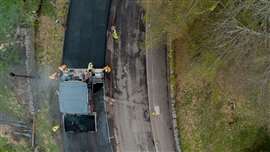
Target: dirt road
(130,109)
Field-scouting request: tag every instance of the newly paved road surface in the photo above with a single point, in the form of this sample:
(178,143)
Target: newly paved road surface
(85,38)
(158,96)
(85,41)
(130,106)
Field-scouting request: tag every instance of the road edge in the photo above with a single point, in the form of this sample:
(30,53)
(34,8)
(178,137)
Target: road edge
(171,93)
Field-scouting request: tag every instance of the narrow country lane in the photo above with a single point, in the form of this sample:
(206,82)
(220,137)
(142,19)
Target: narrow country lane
(133,129)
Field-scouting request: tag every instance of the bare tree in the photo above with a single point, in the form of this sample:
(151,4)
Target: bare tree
(242,36)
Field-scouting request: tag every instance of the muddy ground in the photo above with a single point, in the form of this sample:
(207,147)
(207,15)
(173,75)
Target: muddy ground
(129,108)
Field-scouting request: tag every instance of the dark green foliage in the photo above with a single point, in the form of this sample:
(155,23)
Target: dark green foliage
(48,9)
(261,143)
(10,11)
(223,86)
(6,146)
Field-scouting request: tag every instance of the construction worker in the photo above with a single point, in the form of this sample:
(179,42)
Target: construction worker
(63,73)
(156,111)
(107,69)
(90,67)
(54,76)
(63,68)
(154,114)
(114,33)
(55,128)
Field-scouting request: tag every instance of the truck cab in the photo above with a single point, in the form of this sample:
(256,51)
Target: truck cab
(76,89)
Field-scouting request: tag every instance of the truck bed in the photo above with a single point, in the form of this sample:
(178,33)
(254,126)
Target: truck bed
(91,142)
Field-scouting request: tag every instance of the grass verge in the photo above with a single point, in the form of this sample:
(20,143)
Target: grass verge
(49,44)
(214,107)
(7,146)
(221,100)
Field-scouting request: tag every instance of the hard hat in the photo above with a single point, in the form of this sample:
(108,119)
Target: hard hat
(55,128)
(62,67)
(90,66)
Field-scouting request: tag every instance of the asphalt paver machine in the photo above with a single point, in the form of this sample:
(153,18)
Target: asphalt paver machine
(76,89)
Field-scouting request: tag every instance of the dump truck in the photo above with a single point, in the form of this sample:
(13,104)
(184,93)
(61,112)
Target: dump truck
(76,88)
(74,101)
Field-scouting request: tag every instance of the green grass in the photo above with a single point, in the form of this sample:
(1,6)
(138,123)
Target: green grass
(6,146)
(46,140)
(206,89)
(48,9)
(222,105)
(49,45)
(9,17)
(9,56)
(14,13)
(9,103)
(204,115)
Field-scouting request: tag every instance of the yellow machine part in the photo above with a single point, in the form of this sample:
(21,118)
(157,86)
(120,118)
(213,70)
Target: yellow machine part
(107,69)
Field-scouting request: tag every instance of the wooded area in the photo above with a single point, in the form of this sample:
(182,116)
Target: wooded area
(222,68)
